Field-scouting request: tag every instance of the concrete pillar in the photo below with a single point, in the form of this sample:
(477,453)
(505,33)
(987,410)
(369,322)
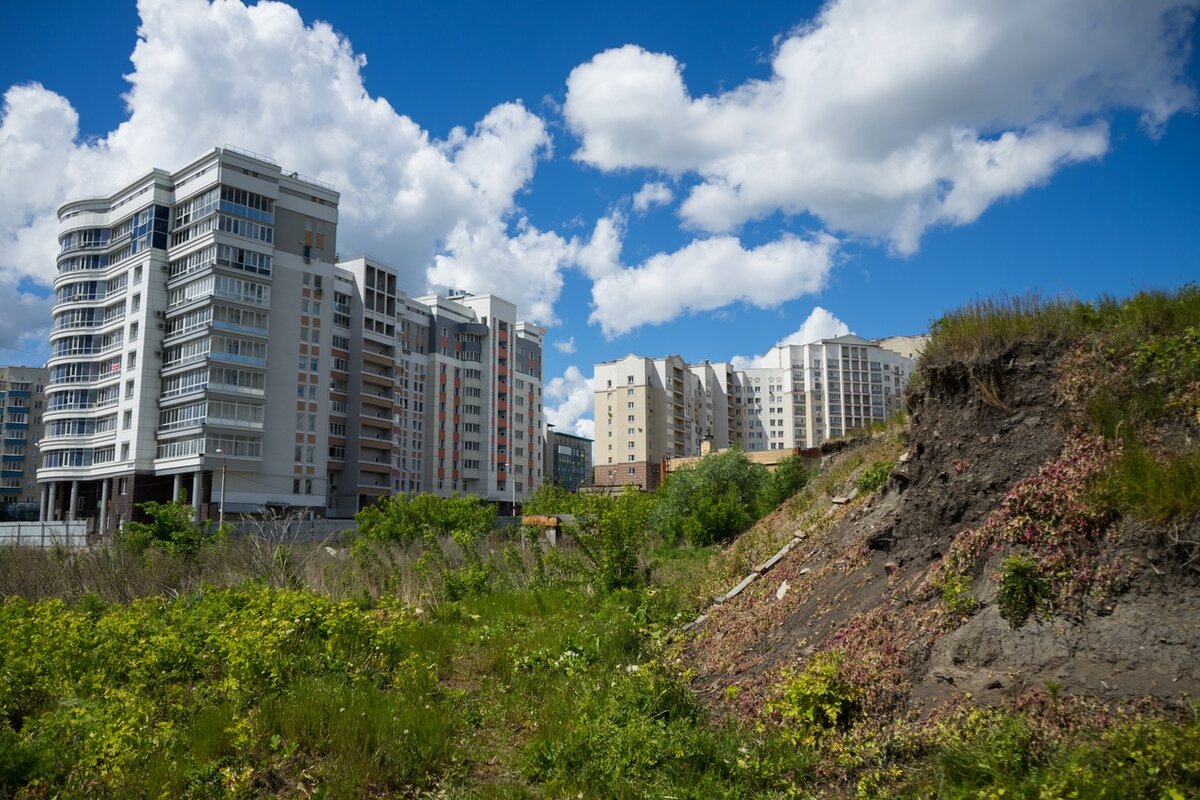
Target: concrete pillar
(103,527)
(197,487)
(177,488)
(52,501)
(74,501)
(42,512)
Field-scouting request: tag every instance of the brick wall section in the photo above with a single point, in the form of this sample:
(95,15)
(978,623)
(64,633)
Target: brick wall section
(646,475)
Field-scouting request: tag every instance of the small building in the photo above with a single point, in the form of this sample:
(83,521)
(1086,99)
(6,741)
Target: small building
(568,459)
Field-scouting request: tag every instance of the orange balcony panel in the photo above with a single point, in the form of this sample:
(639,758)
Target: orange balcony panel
(442,416)
(441,473)
(454,475)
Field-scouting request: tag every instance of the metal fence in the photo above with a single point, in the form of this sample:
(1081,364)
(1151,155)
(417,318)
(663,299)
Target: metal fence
(44,534)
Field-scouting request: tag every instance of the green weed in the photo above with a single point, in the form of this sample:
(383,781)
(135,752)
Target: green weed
(1021,590)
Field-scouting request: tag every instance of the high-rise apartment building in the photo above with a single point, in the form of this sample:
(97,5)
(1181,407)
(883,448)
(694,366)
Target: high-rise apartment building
(186,307)
(795,397)
(446,396)
(205,345)
(22,404)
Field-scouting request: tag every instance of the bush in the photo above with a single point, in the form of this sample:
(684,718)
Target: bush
(425,518)
(172,529)
(874,477)
(699,502)
(817,698)
(1022,589)
(611,534)
(788,477)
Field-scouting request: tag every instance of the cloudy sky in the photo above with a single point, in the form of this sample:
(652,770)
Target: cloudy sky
(655,178)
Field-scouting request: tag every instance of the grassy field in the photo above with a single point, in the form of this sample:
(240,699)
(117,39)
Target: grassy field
(436,658)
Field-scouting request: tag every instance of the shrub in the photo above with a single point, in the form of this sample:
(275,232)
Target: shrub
(874,477)
(611,534)
(1021,590)
(789,477)
(17,762)
(172,529)
(425,518)
(817,698)
(686,505)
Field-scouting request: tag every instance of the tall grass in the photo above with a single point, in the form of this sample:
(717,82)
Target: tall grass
(989,327)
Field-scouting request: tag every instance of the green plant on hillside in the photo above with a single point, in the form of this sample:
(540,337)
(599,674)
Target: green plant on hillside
(956,594)
(172,529)
(788,478)
(816,699)
(873,478)
(1021,590)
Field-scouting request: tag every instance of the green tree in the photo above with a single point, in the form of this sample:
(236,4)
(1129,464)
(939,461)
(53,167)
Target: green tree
(172,529)
(426,518)
(701,502)
(611,533)
(789,477)
(550,498)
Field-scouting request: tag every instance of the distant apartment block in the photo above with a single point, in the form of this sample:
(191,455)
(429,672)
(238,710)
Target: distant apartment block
(22,404)
(431,394)
(651,410)
(568,459)
(206,345)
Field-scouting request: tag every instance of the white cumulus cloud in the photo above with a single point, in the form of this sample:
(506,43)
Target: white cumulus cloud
(258,77)
(820,324)
(565,345)
(706,275)
(883,119)
(573,393)
(655,193)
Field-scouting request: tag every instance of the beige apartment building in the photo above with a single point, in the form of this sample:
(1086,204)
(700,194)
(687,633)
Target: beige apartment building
(795,397)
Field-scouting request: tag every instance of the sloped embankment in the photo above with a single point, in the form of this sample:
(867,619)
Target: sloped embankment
(903,581)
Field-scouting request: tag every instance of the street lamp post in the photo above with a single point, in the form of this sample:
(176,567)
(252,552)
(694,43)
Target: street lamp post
(221,507)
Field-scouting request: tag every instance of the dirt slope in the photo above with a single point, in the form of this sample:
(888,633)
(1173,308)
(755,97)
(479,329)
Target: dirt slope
(863,581)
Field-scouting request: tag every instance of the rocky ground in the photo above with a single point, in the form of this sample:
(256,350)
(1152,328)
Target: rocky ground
(864,576)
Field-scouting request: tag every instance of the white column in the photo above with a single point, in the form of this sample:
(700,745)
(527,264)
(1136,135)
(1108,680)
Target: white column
(197,486)
(52,501)
(74,500)
(102,528)
(42,503)
(177,488)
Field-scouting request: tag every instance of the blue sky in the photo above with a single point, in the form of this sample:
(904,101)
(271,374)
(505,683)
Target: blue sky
(656,178)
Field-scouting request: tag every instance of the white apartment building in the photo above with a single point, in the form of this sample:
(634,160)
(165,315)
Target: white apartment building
(797,396)
(186,305)
(205,345)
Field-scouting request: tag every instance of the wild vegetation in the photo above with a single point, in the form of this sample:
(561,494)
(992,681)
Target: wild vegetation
(433,654)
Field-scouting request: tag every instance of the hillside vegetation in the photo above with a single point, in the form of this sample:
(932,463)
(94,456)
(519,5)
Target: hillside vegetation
(998,597)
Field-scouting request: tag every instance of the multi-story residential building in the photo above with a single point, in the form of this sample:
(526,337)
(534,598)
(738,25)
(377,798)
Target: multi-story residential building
(22,404)
(205,345)
(568,459)
(187,304)
(448,398)
(795,397)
